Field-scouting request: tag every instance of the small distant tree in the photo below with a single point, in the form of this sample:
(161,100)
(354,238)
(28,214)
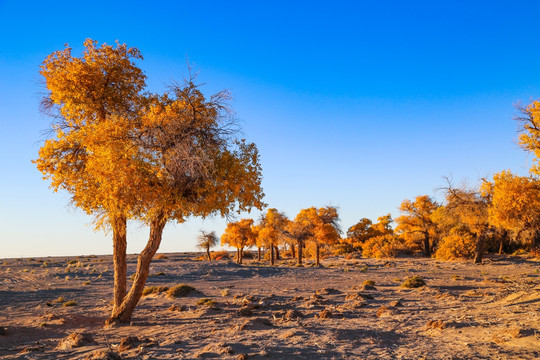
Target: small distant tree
(326,229)
(357,235)
(301,230)
(239,235)
(206,241)
(271,230)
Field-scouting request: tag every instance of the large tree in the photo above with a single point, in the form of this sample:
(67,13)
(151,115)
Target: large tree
(122,153)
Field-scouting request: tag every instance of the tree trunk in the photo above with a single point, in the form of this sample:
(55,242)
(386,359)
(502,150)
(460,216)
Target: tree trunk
(208,252)
(427,248)
(501,242)
(293,251)
(125,310)
(238,255)
(272,255)
(317,251)
(277,252)
(259,253)
(119,224)
(479,254)
(299,261)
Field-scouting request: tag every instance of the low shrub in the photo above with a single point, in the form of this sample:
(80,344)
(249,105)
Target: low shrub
(180,291)
(414,282)
(456,246)
(154,290)
(384,246)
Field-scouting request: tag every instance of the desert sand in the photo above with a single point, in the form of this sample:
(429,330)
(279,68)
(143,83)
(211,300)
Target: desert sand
(348,309)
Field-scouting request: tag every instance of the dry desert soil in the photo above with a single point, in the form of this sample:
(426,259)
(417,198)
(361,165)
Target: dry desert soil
(347,309)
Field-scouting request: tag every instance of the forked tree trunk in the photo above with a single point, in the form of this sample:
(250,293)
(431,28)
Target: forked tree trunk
(271,254)
(240,255)
(122,314)
(479,253)
(317,252)
(299,261)
(208,252)
(119,224)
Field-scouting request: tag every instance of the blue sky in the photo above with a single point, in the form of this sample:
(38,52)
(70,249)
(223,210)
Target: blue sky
(357,104)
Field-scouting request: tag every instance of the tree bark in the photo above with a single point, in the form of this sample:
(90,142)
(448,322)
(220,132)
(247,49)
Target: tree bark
(293,251)
(259,253)
(125,310)
(271,254)
(277,252)
(241,255)
(317,251)
(501,242)
(479,253)
(427,248)
(208,252)
(299,261)
(119,224)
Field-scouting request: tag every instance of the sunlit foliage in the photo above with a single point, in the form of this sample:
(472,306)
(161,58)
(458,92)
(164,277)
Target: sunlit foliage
(515,205)
(415,226)
(122,153)
(240,235)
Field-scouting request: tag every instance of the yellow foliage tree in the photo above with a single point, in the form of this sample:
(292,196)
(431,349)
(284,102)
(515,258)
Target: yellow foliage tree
(465,212)
(515,205)
(124,154)
(272,227)
(416,225)
(240,235)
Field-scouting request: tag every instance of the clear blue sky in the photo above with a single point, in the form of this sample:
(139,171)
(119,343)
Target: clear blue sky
(358,104)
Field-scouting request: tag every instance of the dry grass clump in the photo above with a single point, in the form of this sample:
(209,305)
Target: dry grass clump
(70,303)
(414,282)
(436,324)
(225,292)
(154,290)
(103,355)
(74,340)
(207,302)
(325,314)
(180,291)
(219,255)
(382,311)
(292,314)
(369,283)
(160,256)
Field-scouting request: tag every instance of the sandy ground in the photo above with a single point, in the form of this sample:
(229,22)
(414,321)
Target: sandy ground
(490,311)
